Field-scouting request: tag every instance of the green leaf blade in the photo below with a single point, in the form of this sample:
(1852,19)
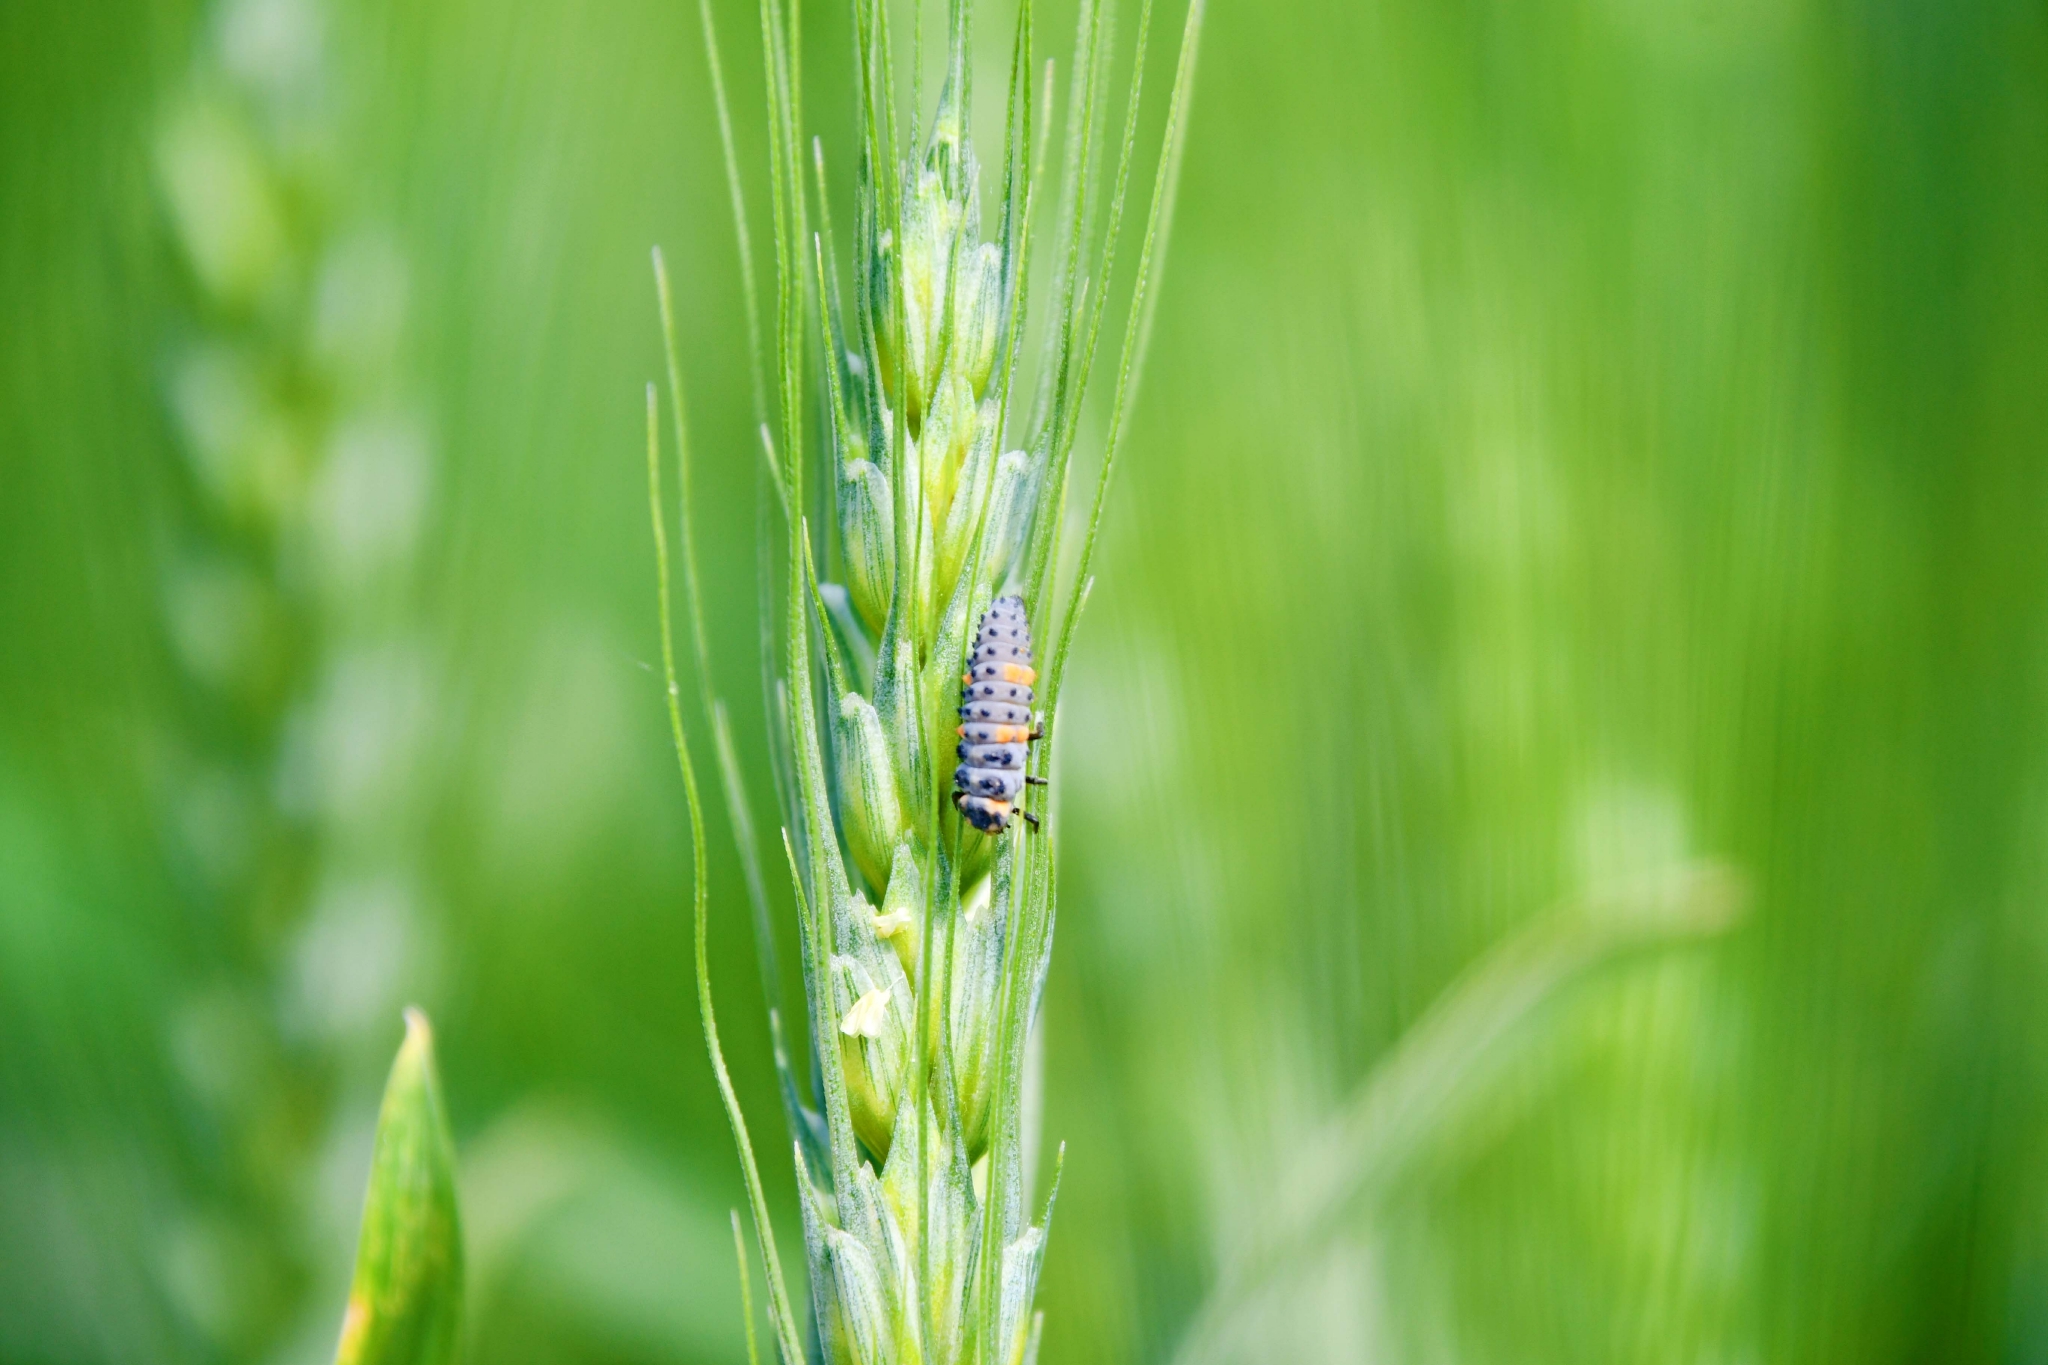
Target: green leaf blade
(405,1304)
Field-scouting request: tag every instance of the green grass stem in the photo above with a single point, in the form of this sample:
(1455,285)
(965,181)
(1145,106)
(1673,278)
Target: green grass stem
(785,1320)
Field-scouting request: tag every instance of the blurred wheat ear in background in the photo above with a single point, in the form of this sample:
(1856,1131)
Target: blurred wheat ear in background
(291,788)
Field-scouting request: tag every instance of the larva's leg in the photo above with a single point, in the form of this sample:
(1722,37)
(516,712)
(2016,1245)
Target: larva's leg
(1029,816)
(1037,781)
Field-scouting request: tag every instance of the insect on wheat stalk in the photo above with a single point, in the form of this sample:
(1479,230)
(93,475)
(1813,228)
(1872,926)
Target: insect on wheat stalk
(918,821)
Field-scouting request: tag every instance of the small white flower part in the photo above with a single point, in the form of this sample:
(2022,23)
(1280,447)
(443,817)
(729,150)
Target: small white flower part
(892,924)
(864,1020)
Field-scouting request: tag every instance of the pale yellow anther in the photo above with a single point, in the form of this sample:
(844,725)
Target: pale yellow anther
(893,923)
(864,1020)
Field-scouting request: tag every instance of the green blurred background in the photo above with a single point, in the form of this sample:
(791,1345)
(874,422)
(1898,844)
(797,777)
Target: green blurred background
(1580,434)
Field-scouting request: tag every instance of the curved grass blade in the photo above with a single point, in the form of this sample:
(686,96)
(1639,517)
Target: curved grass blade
(1443,1067)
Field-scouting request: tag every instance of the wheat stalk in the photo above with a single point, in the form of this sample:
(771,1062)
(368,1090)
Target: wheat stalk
(924,942)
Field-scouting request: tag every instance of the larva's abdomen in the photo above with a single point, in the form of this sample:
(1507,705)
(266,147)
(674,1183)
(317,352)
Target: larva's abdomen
(995,713)
(1003,782)
(995,671)
(981,732)
(992,755)
(999,712)
(1012,693)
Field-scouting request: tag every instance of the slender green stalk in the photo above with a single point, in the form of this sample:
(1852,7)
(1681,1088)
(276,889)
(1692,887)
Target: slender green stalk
(739,1249)
(731,782)
(785,1320)
(693,601)
(750,293)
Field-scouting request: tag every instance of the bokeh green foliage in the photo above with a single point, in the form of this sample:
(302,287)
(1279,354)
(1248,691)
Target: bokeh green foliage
(1579,435)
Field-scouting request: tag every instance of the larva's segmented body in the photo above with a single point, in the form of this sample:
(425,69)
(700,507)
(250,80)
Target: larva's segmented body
(995,714)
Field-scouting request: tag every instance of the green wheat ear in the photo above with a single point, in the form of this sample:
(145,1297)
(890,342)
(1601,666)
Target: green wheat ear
(405,1304)
(925,493)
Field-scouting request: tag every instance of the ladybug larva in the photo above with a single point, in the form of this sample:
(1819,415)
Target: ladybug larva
(995,714)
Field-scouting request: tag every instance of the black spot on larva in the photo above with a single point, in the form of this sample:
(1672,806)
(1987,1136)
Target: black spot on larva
(990,778)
